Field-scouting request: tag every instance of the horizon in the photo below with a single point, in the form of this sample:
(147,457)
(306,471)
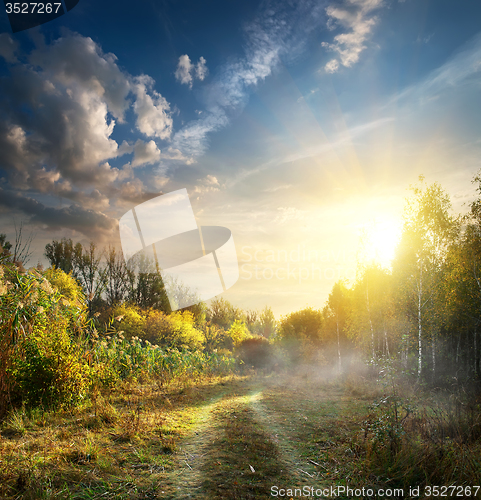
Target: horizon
(299,128)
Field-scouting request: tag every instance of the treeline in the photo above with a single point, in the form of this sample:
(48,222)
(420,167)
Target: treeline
(425,311)
(134,290)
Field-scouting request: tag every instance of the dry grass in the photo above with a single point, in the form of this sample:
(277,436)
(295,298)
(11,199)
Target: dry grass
(116,445)
(234,438)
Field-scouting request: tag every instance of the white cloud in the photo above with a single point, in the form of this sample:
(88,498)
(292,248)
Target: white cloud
(75,61)
(183,73)
(186,71)
(277,30)
(332,66)
(211,179)
(153,111)
(209,184)
(145,153)
(357,20)
(201,70)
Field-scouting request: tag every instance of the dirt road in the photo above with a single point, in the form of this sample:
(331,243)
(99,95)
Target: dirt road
(261,436)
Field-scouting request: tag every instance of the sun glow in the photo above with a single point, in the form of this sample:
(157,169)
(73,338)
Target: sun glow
(378,242)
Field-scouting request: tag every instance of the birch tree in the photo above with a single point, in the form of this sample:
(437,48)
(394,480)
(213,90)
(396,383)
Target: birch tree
(429,230)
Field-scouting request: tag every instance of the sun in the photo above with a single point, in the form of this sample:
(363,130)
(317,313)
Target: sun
(378,242)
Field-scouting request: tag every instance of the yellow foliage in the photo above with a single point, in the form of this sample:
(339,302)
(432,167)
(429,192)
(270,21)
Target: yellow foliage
(238,332)
(173,330)
(67,285)
(130,320)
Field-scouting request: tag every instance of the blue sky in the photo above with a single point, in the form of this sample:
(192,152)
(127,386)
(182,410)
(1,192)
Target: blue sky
(298,125)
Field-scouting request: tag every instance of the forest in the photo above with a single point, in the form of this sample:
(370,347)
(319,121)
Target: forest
(98,376)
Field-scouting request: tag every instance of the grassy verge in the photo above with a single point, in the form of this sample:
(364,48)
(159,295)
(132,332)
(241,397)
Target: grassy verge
(113,448)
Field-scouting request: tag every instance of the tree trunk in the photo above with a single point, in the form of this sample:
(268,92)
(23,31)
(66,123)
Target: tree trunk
(338,346)
(370,324)
(386,342)
(475,351)
(433,345)
(420,345)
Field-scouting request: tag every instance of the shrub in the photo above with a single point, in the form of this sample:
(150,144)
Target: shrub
(175,330)
(39,364)
(256,352)
(238,332)
(216,338)
(132,320)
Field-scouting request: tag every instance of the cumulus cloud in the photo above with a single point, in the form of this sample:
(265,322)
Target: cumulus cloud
(58,110)
(153,111)
(201,70)
(332,66)
(186,71)
(357,20)
(209,184)
(145,153)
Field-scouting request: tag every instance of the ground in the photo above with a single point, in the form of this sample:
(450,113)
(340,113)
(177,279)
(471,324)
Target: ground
(237,437)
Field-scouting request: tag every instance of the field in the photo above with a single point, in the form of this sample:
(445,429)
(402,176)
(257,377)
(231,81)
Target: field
(234,437)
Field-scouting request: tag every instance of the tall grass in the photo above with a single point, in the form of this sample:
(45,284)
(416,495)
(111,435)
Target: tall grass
(424,438)
(52,356)
(116,358)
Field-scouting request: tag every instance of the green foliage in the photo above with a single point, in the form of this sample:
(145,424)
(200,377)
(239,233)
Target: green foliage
(216,338)
(222,313)
(67,285)
(116,358)
(302,325)
(301,334)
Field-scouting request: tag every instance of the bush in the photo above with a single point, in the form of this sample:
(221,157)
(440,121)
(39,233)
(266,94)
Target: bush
(238,332)
(175,330)
(256,352)
(132,320)
(216,338)
(39,364)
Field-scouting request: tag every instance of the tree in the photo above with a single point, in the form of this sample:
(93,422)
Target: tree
(223,314)
(6,245)
(62,254)
(428,232)
(19,252)
(337,310)
(267,322)
(371,319)
(89,272)
(145,285)
(116,277)
(304,325)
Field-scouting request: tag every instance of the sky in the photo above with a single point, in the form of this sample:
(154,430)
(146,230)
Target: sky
(298,125)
